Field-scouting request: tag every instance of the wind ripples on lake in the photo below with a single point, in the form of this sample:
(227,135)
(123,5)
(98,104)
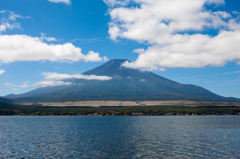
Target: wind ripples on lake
(120,137)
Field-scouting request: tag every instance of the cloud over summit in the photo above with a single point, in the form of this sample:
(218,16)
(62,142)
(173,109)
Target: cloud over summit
(166,25)
(57,76)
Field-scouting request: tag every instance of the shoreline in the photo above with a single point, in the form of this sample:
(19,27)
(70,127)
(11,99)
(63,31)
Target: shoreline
(114,115)
(131,103)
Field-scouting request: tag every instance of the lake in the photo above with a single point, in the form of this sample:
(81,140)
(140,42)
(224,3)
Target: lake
(120,137)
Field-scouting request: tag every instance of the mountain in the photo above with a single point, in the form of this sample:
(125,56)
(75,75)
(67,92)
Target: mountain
(126,85)
(4,99)
(5,103)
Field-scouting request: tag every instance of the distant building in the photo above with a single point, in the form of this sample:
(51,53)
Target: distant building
(170,114)
(137,114)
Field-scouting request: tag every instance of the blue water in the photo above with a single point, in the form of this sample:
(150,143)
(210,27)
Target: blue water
(120,137)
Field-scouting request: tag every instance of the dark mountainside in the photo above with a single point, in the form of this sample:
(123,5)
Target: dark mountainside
(4,99)
(5,103)
(126,85)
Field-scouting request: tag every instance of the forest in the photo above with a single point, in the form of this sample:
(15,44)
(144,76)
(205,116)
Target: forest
(129,110)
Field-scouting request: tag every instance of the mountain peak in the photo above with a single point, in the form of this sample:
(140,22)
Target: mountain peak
(116,62)
(110,68)
(120,60)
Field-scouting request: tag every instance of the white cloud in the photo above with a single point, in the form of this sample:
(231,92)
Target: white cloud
(43,37)
(229,73)
(235,12)
(238,62)
(56,79)
(2,71)
(52,83)
(7,25)
(165,26)
(142,66)
(56,67)
(105,58)
(8,20)
(139,51)
(112,3)
(57,76)
(25,85)
(61,1)
(193,51)
(87,41)
(13,16)
(43,83)
(26,48)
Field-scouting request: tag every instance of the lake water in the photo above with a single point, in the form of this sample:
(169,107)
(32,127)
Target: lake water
(120,137)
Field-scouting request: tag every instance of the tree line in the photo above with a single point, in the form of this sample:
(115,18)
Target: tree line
(145,110)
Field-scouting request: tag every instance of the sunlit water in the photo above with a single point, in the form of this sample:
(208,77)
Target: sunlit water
(120,137)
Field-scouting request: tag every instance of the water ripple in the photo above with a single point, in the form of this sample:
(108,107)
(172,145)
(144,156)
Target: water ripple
(120,137)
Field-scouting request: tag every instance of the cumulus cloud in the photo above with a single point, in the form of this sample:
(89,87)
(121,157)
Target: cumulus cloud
(165,25)
(26,48)
(57,76)
(2,71)
(61,1)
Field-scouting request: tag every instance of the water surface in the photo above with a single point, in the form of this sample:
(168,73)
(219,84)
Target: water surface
(120,137)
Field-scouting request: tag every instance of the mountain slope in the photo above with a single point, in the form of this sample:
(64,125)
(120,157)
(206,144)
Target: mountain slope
(126,85)
(4,99)
(5,103)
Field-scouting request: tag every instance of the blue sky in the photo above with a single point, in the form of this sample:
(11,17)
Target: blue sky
(191,42)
